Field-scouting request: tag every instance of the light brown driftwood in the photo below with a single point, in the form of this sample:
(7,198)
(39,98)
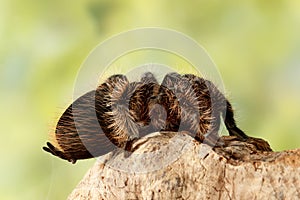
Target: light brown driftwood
(178,167)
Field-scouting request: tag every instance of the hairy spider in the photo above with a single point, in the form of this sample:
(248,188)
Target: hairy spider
(119,112)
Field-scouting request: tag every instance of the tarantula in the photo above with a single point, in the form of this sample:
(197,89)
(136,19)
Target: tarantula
(119,112)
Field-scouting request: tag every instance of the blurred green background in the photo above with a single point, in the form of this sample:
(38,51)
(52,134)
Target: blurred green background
(255,44)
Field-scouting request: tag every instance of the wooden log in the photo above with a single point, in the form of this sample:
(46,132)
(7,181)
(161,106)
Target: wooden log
(175,166)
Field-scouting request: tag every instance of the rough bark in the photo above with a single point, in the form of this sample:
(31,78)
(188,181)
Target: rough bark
(175,166)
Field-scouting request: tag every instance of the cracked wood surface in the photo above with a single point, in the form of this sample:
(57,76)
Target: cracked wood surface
(175,166)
